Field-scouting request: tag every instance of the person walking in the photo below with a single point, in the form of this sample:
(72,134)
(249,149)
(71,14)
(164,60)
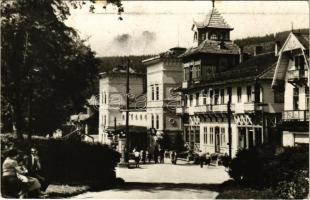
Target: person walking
(143,156)
(175,157)
(162,155)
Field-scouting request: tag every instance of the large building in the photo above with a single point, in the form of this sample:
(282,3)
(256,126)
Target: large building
(164,74)
(291,75)
(112,90)
(220,89)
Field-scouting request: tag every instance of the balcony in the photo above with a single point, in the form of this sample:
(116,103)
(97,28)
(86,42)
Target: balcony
(297,76)
(202,109)
(295,115)
(223,108)
(252,107)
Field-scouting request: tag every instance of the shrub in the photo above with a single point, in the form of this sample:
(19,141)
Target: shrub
(264,167)
(68,162)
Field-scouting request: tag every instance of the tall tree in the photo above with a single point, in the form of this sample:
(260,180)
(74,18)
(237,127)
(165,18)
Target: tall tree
(47,70)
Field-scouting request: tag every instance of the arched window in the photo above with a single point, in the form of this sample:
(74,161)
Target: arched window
(136,117)
(195,36)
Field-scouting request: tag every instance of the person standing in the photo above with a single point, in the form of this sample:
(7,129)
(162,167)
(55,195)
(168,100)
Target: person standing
(156,152)
(143,156)
(137,157)
(172,157)
(175,157)
(162,155)
(201,158)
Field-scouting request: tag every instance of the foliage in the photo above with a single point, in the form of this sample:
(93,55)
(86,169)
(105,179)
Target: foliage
(70,162)
(265,166)
(108,63)
(280,37)
(297,188)
(47,71)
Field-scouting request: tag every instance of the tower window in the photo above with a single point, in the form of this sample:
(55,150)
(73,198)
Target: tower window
(213,36)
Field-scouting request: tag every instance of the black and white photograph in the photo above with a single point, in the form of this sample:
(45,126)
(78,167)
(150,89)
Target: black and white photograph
(127,99)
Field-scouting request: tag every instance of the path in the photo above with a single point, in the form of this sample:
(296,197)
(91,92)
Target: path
(150,181)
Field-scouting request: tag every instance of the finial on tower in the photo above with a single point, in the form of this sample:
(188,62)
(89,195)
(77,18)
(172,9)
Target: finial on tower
(213,3)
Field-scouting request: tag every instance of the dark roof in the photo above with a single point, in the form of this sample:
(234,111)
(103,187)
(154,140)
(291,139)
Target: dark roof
(258,67)
(303,39)
(213,20)
(213,47)
(172,53)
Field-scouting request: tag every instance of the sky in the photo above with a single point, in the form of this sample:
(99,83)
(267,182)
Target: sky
(150,27)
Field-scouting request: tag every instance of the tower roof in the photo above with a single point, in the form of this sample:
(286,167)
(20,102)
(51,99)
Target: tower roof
(213,20)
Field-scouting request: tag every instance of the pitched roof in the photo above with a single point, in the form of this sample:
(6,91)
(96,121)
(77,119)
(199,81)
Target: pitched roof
(213,47)
(213,20)
(303,39)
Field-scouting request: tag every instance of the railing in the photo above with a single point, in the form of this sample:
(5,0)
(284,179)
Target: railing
(202,108)
(251,106)
(296,115)
(297,74)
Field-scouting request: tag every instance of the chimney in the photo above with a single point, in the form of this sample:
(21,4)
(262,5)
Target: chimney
(240,54)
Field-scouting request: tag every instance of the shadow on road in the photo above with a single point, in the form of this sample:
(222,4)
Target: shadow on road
(155,187)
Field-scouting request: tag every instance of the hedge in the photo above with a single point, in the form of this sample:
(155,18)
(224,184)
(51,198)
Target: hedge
(285,169)
(69,162)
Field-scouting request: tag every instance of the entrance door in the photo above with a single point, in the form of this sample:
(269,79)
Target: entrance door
(217,139)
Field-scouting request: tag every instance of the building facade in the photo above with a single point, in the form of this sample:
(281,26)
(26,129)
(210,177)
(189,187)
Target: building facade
(112,90)
(164,74)
(291,75)
(222,92)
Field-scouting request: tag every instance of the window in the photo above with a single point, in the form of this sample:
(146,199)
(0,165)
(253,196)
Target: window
(152,121)
(211,96)
(295,98)
(223,139)
(249,93)
(157,92)
(152,86)
(131,116)
(157,121)
(204,99)
(145,117)
(278,96)
(190,100)
(186,73)
(211,135)
(205,135)
(123,117)
(105,120)
(203,36)
(140,116)
(222,96)
(229,93)
(216,97)
(105,98)
(239,93)
(136,117)
(197,99)
(195,36)
(213,36)
(299,62)
(185,100)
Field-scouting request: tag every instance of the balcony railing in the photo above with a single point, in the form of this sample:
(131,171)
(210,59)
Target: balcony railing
(202,108)
(223,108)
(252,106)
(296,75)
(295,115)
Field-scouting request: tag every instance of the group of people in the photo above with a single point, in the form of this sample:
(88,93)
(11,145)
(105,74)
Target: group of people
(204,158)
(145,156)
(21,174)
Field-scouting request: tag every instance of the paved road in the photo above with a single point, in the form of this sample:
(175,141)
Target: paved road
(150,181)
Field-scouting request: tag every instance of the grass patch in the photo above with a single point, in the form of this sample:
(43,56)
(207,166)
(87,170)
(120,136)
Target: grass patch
(63,191)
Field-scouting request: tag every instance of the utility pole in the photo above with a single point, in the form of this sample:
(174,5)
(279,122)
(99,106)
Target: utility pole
(229,124)
(127,110)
